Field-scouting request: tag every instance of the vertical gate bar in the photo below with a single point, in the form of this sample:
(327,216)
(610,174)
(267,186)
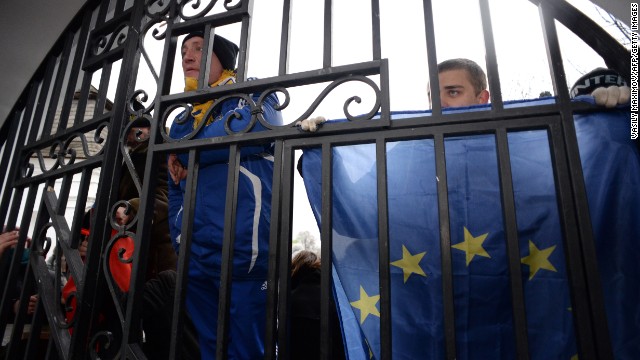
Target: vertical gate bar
(326,294)
(81,203)
(18,325)
(284,296)
(36,119)
(184,254)
(9,152)
(375,29)
(283,64)
(36,328)
(491,58)
(81,105)
(57,87)
(65,188)
(326,247)
(577,282)
(245,31)
(14,197)
(168,56)
(385,98)
(163,87)
(132,331)
(513,245)
(327,34)
(576,187)
(50,93)
(119,8)
(9,273)
(445,249)
(8,143)
(432,59)
(51,353)
(105,78)
(284,301)
(383,248)
(107,190)
(11,157)
(205,62)
(83,33)
(229,232)
(102,12)
(87,75)
(274,255)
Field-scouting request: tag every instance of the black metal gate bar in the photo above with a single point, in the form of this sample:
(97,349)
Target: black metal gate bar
(12,196)
(283,263)
(131,329)
(184,255)
(584,236)
(432,59)
(38,318)
(384,266)
(38,115)
(327,47)
(512,244)
(448,304)
(375,29)
(20,318)
(90,12)
(283,59)
(82,33)
(326,234)
(245,28)
(229,232)
(612,52)
(9,154)
(275,242)
(57,89)
(493,74)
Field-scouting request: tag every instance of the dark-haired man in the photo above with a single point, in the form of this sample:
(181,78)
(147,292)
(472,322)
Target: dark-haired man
(462,83)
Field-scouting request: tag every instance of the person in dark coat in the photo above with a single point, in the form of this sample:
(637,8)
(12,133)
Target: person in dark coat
(162,255)
(305,310)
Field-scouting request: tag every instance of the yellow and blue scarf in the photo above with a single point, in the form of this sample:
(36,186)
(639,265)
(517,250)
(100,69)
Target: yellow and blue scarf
(199,109)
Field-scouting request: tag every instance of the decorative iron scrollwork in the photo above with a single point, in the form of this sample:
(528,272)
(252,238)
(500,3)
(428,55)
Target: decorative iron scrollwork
(93,344)
(156,9)
(105,43)
(196,7)
(64,152)
(348,115)
(256,108)
(42,242)
(232,7)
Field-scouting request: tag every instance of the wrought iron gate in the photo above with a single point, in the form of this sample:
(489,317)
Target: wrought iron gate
(65,137)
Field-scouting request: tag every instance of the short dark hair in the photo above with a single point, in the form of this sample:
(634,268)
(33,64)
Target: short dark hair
(477,77)
(303,261)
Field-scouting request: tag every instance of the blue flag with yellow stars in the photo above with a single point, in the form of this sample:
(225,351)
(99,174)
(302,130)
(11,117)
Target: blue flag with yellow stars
(482,296)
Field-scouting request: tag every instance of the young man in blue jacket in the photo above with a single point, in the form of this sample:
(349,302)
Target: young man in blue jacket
(250,256)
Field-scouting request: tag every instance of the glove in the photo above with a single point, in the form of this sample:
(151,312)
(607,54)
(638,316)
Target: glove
(607,87)
(311,124)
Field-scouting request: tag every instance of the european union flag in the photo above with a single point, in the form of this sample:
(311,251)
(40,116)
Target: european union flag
(482,295)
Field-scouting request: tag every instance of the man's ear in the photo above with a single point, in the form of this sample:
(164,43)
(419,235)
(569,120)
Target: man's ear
(483,97)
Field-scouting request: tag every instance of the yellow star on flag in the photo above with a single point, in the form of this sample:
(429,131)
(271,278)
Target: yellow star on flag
(472,245)
(410,264)
(538,259)
(366,305)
